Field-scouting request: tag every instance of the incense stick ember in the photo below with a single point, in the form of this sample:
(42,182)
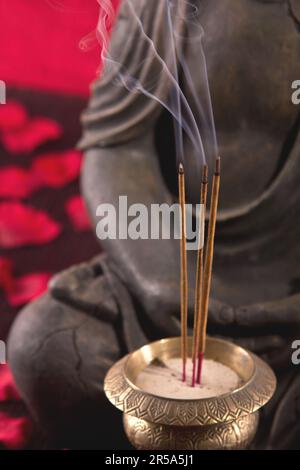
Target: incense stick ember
(199,273)
(208,265)
(183,271)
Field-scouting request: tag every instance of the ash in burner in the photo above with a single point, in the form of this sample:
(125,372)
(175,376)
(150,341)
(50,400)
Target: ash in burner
(163,378)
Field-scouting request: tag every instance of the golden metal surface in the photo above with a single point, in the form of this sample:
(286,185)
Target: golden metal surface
(227,421)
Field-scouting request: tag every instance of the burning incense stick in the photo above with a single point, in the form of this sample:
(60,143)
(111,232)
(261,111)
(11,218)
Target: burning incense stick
(208,264)
(199,273)
(183,271)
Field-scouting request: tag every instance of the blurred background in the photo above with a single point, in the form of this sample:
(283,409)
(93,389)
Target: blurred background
(48,58)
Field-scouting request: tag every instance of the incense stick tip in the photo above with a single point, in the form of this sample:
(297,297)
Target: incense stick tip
(181,168)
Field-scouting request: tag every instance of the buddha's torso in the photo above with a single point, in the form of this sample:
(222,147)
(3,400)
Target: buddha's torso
(253,55)
(252,50)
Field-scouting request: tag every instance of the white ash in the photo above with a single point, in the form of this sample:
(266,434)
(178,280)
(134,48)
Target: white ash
(164,379)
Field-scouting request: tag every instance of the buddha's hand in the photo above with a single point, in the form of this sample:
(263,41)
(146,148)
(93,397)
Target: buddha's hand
(279,313)
(272,330)
(263,326)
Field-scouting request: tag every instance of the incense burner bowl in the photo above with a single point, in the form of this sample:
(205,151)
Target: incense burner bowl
(228,421)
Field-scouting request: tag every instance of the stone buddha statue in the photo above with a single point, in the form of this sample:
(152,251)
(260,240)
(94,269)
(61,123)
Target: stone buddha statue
(62,344)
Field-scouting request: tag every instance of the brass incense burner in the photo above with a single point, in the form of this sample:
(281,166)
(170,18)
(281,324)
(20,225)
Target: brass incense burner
(227,421)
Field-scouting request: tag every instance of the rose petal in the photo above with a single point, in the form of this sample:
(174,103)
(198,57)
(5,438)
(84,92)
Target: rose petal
(36,132)
(15,432)
(23,289)
(6,277)
(8,390)
(77,213)
(27,288)
(23,225)
(15,182)
(56,170)
(12,116)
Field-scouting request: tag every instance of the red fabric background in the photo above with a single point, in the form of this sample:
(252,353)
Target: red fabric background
(39,56)
(39,44)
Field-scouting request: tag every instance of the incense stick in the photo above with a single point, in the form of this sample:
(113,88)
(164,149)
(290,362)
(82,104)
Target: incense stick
(183,271)
(199,272)
(208,264)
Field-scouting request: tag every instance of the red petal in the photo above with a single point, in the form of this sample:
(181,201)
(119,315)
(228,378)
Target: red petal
(6,278)
(15,432)
(27,288)
(23,225)
(12,116)
(56,170)
(8,390)
(50,170)
(36,132)
(15,182)
(77,213)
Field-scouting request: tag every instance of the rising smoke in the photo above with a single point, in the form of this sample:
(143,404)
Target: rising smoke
(180,27)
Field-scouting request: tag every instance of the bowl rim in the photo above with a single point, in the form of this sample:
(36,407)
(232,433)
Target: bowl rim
(247,399)
(216,340)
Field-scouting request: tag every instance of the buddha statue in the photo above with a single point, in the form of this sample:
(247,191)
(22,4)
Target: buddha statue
(62,344)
